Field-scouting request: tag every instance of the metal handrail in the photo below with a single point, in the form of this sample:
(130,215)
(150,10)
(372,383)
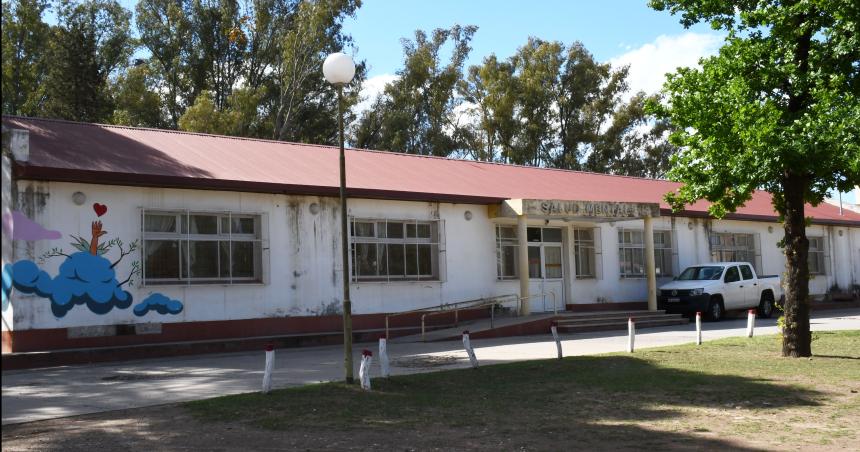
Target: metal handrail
(492,302)
(470,304)
(543,294)
(448,307)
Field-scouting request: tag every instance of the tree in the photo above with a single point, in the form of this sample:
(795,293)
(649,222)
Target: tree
(304,108)
(90,41)
(25,40)
(135,94)
(777,109)
(492,89)
(589,95)
(538,64)
(165,31)
(416,113)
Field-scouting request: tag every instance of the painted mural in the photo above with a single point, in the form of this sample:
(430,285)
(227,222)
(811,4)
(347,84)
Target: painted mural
(86,277)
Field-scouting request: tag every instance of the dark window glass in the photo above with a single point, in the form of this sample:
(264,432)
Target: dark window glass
(746,271)
(203,259)
(162,259)
(552,235)
(395,261)
(732,275)
(533,234)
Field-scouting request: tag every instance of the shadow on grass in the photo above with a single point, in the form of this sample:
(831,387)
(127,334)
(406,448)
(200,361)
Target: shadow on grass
(593,401)
(589,402)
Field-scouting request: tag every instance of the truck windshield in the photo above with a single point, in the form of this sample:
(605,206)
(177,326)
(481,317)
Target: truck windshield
(701,273)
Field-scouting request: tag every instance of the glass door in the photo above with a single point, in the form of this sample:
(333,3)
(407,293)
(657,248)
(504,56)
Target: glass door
(546,268)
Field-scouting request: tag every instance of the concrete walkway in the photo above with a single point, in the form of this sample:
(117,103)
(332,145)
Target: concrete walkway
(31,395)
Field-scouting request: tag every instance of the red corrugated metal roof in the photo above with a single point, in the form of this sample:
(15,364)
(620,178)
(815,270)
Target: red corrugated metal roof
(71,151)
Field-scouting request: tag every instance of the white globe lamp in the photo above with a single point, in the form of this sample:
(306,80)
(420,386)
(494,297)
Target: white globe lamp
(338,68)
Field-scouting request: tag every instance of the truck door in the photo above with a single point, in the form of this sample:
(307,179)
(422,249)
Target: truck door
(750,287)
(733,288)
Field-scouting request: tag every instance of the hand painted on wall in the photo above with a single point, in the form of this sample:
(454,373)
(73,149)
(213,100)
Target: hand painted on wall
(85,277)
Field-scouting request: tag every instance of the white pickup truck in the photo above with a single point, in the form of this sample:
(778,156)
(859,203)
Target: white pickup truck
(718,287)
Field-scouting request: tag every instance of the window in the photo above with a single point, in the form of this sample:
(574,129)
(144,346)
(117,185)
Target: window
(816,255)
(631,253)
(584,250)
(201,248)
(732,275)
(394,250)
(746,272)
(731,247)
(544,252)
(507,252)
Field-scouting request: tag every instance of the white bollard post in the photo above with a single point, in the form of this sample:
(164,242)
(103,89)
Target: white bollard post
(383,357)
(270,365)
(750,322)
(698,328)
(554,330)
(631,334)
(468,346)
(364,370)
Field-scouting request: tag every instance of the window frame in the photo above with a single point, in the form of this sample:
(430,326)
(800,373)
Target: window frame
(721,252)
(819,253)
(184,237)
(383,241)
(590,247)
(506,242)
(664,250)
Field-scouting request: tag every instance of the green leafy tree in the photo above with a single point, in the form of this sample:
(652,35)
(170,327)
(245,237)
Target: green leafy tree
(304,107)
(492,89)
(24,41)
(135,94)
(777,109)
(89,43)
(205,117)
(589,98)
(165,31)
(538,64)
(417,112)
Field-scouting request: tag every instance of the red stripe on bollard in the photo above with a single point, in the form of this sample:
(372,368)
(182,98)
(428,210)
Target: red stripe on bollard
(366,352)
(270,347)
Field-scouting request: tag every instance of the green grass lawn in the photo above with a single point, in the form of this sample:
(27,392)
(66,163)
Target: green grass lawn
(733,392)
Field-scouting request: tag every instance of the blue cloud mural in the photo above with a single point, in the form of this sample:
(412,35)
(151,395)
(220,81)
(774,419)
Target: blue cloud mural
(83,279)
(7,285)
(158,303)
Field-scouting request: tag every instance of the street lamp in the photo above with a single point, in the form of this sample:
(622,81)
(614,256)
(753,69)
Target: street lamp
(338,70)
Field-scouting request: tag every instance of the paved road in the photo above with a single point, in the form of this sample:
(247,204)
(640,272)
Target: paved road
(31,395)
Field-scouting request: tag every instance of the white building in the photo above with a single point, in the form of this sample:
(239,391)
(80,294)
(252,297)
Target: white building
(115,235)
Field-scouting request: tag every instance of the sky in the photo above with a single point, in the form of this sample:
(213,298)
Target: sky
(616,31)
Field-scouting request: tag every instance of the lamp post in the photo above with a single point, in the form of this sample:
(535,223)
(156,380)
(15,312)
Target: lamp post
(338,70)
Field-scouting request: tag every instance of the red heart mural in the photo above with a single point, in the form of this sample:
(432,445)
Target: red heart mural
(100,209)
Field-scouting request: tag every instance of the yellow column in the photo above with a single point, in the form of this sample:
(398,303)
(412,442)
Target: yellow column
(650,273)
(523,264)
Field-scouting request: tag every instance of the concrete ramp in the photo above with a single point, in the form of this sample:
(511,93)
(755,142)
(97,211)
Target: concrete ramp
(568,322)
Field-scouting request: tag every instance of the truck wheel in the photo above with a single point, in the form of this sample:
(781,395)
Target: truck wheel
(765,308)
(715,310)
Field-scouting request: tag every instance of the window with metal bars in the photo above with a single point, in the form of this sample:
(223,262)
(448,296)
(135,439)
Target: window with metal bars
(184,247)
(394,250)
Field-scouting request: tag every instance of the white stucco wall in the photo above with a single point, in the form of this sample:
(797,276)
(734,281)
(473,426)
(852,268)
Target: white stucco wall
(302,271)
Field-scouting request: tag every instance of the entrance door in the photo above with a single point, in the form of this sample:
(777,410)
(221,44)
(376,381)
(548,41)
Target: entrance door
(546,269)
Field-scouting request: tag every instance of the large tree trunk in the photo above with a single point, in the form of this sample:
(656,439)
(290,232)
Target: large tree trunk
(796,339)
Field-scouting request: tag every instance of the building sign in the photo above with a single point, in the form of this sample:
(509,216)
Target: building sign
(596,209)
(563,209)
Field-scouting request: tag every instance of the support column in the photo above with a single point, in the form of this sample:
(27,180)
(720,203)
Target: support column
(523,266)
(650,273)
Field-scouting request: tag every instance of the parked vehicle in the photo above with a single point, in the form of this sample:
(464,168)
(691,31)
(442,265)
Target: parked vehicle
(717,287)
